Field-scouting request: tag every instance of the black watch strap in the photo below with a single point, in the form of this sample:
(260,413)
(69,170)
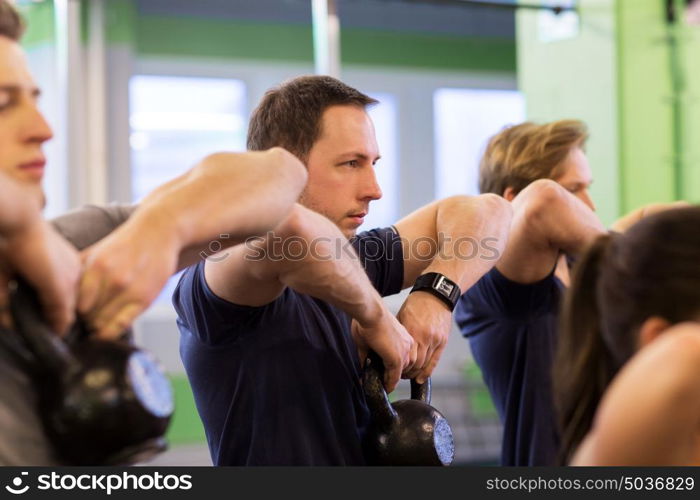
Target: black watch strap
(440,286)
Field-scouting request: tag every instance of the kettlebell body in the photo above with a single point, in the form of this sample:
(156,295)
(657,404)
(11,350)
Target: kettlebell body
(101,402)
(407,432)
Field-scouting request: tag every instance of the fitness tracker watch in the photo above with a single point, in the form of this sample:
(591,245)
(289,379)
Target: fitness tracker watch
(440,286)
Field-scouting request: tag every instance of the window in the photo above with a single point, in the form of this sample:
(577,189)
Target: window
(175,122)
(464,121)
(383,212)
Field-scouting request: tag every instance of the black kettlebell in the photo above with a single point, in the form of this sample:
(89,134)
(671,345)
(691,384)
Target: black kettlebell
(407,432)
(101,402)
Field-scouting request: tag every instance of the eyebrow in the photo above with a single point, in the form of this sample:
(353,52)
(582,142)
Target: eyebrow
(358,155)
(579,184)
(36,92)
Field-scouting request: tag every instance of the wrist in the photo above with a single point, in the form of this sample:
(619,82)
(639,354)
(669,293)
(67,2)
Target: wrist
(439,286)
(373,314)
(159,226)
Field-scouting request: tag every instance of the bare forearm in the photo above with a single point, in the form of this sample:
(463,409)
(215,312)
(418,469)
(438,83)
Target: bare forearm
(557,219)
(329,268)
(547,220)
(225,199)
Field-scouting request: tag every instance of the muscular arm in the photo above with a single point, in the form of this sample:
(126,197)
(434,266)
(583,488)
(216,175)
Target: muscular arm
(547,220)
(320,263)
(222,201)
(650,414)
(461,237)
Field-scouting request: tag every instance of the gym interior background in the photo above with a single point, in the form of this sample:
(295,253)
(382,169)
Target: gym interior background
(138,90)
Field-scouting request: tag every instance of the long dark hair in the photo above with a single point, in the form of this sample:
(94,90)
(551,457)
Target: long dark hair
(621,280)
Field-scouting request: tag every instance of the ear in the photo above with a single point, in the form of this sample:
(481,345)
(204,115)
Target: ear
(509,193)
(650,329)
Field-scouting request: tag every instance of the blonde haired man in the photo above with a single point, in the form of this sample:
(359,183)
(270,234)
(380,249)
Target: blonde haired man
(511,315)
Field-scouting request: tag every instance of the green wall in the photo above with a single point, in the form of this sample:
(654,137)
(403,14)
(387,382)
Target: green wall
(228,39)
(40,24)
(185,427)
(690,118)
(617,76)
(644,104)
(576,78)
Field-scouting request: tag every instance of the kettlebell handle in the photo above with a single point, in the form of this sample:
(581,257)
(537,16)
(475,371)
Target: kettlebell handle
(421,392)
(377,396)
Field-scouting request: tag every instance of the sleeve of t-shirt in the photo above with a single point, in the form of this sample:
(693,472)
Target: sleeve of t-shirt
(496,296)
(89,224)
(210,318)
(381,254)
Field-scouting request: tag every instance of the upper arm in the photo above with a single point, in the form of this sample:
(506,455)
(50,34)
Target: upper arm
(250,273)
(547,220)
(419,240)
(243,276)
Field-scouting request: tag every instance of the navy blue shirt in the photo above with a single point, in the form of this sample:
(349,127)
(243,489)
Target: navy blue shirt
(511,329)
(280,384)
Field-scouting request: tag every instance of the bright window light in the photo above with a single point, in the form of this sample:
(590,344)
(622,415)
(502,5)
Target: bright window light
(176,121)
(383,212)
(464,121)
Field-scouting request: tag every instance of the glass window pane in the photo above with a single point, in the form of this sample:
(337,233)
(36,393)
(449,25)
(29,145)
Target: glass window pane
(175,122)
(464,121)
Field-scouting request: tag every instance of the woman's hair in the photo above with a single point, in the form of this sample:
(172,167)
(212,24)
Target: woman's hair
(521,154)
(621,280)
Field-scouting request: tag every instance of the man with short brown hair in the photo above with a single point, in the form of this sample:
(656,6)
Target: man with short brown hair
(270,345)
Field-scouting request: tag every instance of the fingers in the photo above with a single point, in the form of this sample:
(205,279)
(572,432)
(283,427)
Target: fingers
(89,291)
(427,371)
(114,326)
(417,359)
(392,375)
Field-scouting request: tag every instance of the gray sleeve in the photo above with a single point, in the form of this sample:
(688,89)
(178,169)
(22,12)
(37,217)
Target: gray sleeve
(89,224)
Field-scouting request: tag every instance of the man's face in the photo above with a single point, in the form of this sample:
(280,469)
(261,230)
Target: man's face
(23,129)
(341,162)
(576,176)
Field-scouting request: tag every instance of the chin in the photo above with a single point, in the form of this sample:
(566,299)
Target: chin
(349,233)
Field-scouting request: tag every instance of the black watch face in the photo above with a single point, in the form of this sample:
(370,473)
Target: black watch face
(444,287)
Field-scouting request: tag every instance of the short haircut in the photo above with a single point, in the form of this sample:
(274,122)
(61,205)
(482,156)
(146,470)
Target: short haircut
(289,115)
(524,153)
(11,24)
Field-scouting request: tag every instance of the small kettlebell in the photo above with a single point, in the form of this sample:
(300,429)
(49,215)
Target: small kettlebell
(101,402)
(407,432)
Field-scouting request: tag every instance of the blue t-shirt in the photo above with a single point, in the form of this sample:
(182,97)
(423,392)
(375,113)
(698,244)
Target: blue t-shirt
(511,329)
(280,384)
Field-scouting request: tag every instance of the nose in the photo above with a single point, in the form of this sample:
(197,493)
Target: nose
(370,189)
(586,198)
(36,128)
